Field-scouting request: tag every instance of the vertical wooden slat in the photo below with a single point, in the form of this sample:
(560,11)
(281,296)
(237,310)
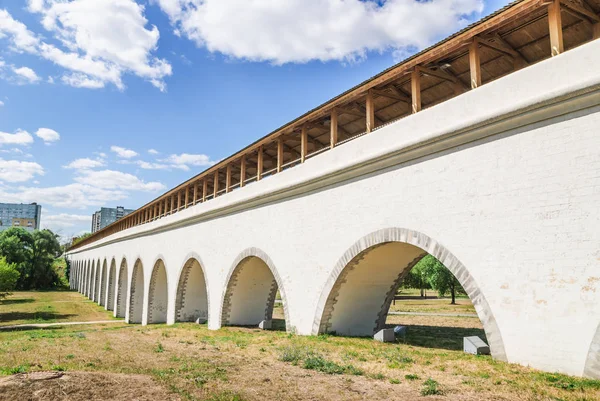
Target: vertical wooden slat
(160,204)
(178,201)
(333,140)
(596,31)
(195,199)
(370,112)
(204,189)
(166,206)
(279,154)
(187,197)
(216,189)
(228,179)
(415,89)
(259,164)
(243,171)
(475,65)
(555,27)
(172,204)
(303,143)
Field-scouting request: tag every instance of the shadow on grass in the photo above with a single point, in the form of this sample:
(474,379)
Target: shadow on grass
(33,317)
(17,301)
(450,338)
(277,325)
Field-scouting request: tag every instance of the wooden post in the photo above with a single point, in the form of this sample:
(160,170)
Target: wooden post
(183,198)
(155,211)
(279,154)
(187,197)
(178,202)
(228,179)
(195,199)
(216,189)
(475,64)
(204,189)
(334,128)
(166,206)
(160,209)
(172,204)
(596,31)
(243,171)
(555,27)
(259,164)
(303,143)
(370,111)
(415,89)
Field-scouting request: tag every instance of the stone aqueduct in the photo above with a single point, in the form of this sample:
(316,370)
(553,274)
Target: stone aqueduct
(501,184)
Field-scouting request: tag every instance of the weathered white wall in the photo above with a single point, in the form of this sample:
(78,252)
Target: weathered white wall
(505,179)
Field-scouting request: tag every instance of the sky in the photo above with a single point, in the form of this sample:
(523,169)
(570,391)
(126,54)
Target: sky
(113,102)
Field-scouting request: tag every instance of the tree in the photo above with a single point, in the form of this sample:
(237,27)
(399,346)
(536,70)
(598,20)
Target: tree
(45,249)
(8,278)
(416,278)
(440,278)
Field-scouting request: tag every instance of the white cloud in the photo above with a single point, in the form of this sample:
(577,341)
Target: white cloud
(184,160)
(152,166)
(101,40)
(85,163)
(19,171)
(47,135)
(1,103)
(20,137)
(64,220)
(122,152)
(153,151)
(304,30)
(26,75)
(111,179)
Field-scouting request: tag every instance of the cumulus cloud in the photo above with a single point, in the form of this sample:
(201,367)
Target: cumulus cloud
(59,221)
(100,41)
(47,135)
(153,151)
(19,171)
(1,103)
(20,137)
(111,179)
(85,163)
(304,30)
(123,152)
(184,160)
(26,75)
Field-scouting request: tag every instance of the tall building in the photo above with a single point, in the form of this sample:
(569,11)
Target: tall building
(108,215)
(23,215)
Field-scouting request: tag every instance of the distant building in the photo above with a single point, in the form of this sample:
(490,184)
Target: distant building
(107,215)
(23,215)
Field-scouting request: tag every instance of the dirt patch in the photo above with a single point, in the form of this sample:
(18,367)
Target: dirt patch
(81,386)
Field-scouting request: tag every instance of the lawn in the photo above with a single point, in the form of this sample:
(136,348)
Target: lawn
(190,362)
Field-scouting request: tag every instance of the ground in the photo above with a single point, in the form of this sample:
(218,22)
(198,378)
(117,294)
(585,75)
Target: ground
(189,362)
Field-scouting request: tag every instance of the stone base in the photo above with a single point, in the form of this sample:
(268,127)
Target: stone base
(475,345)
(385,336)
(265,325)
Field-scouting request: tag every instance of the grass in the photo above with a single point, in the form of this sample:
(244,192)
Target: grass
(191,362)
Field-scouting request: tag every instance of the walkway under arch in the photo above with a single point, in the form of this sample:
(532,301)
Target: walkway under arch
(136,297)
(191,303)
(252,284)
(358,293)
(158,294)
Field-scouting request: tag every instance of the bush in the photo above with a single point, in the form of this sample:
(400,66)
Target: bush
(8,277)
(430,387)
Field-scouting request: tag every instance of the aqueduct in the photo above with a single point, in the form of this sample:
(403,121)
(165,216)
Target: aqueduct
(482,150)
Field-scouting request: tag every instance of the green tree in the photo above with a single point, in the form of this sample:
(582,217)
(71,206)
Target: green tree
(45,249)
(440,278)
(8,277)
(417,278)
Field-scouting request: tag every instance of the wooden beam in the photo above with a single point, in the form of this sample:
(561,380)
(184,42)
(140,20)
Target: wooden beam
(555,27)
(216,184)
(596,31)
(581,11)
(396,96)
(166,206)
(475,64)
(333,128)
(228,179)
(243,171)
(499,43)
(187,197)
(346,110)
(259,164)
(172,204)
(415,88)
(279,154)
(303,143)
(204,189)
(370,106)
(195,199)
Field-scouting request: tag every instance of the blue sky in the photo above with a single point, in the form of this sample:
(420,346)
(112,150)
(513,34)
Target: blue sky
(112,102)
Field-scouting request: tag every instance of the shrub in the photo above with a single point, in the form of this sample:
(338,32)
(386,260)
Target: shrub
(430,387)
(9,275)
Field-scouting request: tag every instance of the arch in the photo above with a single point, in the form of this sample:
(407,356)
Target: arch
(97,282)
(191,300)
(110,292)
(367,263)
(87,278)
(158,294)
(592,362)
(136,297)
(252,284)
(103,278)
(121,298)
(93,280)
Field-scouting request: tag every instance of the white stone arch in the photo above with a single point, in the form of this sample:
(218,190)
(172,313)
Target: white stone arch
(356,253)
(110,285)
(93,280)
(121,290)
(103,283)
(251,284)
(192,295)
(592,362)
(97,281)
(158,293)
(136,293)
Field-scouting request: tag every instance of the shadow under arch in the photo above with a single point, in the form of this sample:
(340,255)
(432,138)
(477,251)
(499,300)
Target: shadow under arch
(110,295)
(252,283)
(192,299)
(592,362)
(158,293)
(121,291)
(336,307)
(136,293)
(103,277)
(97,281)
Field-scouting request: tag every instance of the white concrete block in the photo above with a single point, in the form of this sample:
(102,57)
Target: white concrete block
(265,325)
(385,336)
(475,345)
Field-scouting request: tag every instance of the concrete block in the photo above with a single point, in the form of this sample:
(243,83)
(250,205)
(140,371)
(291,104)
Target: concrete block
(475,345)
(385,336)
(201,320)
(265,325)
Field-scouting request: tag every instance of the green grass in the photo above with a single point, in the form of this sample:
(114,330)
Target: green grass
(431,387)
